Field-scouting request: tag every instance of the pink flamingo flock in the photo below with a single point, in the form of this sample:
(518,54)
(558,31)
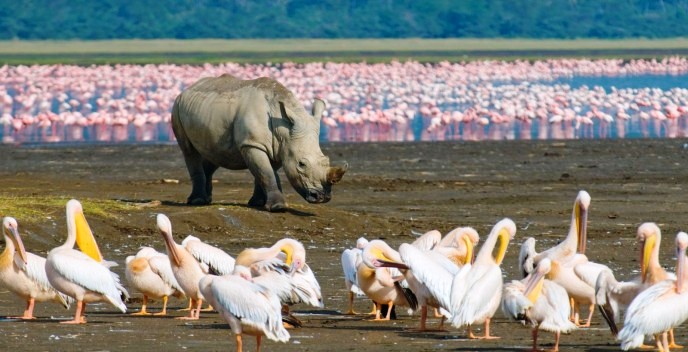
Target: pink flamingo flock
(397,101)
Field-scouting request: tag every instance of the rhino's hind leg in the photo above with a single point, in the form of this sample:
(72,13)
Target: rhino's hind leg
(209,169)
(199,194)
(266,191)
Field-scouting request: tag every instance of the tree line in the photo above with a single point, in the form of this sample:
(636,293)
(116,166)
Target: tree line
(187,19)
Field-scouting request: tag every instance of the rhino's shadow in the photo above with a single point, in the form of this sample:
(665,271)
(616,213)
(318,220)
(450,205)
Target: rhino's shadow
(145,203)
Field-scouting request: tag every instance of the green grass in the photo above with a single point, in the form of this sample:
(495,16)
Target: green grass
(35,209)
(339,50)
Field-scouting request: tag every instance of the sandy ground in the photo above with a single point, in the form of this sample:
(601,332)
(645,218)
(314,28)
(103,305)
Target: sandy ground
(390,190)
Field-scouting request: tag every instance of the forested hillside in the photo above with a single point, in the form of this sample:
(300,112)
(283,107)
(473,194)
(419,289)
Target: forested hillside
(106,19)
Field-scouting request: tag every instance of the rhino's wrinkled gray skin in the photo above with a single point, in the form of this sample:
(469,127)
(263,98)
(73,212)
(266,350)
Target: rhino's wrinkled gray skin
(257,125)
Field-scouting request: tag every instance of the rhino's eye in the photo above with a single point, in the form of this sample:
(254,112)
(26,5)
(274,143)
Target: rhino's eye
(302,165)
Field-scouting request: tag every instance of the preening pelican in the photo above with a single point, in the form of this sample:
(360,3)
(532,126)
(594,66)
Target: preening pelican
(660,307)
(286,259)
(150,273)
(378,283)
(351,258)
(217,261)
(185,267)
(430,273)
(571,269)
(540,303)
(249,308)
(475,299)
(23,273)
(82,275)
(612,296)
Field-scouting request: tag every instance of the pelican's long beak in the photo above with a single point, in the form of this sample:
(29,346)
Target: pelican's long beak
(680,269)
(534,286)
(470,254)
(389,264)
(171,248)
(84,237)
(289,260)
(504,238)
(582,227)
(19,244)
(645,253)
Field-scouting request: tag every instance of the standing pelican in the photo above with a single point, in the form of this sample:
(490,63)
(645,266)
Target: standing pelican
(428,240)
(351,258)
(378,283)
(150,273)
(660,307)
(82,275)
(186,269)
(23,273)
(571,269)
(538,302)
(249,308)
(612,295)
(475,299)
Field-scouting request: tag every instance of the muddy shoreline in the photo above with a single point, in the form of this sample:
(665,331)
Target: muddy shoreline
(390,190)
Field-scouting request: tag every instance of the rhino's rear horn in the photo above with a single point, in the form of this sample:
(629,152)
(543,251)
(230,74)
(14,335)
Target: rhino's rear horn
(318,108)
(334,174)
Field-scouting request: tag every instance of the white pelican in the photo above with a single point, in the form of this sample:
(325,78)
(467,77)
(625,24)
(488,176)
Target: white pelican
(540,303)
(82,275)
(660,307)
(23,273)
(476,297)
(150,273)
(185,267)
(351,258)
(217,261)
(249,308)
(286,259)
(378,283)
(571,269)
(430,273)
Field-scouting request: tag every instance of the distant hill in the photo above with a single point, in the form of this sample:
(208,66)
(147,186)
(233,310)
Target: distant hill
(183,19)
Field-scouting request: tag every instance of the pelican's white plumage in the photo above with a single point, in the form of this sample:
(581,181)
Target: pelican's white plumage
(287,257)
(612,296)
(660,307)
(428,240)
(23,273)
(216,260)
(248,307)
(186,269)
(150,273)
(79,275)
(475,299)
(538,302)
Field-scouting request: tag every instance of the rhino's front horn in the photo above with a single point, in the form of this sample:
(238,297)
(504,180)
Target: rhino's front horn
(318,108)
(334,174)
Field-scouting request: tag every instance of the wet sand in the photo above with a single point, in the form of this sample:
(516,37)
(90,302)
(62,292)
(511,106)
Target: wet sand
(390,191)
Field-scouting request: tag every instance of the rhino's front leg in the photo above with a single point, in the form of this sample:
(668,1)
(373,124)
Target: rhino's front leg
(266,191)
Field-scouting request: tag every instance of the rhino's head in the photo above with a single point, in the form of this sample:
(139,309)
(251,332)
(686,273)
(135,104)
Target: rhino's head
(305,165)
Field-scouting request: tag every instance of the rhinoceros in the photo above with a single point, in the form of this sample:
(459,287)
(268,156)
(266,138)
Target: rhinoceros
(257,125)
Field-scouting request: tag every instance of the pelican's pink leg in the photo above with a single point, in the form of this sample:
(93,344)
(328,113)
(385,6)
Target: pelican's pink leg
(143,307)
(258,338)
(672,342)
(28,313)
(77,316)
(239,343)
(534,333)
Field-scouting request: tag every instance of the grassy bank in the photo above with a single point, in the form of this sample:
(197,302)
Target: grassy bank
(309,50)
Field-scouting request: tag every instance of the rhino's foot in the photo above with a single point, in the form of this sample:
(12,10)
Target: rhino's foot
(257,201)
(199,201)
(275,202)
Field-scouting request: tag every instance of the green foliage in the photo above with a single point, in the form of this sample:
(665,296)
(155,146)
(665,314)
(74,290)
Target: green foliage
(187,19)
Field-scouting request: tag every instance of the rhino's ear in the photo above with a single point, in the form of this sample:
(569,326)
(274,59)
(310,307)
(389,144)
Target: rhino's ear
(318,108)
(285,116)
